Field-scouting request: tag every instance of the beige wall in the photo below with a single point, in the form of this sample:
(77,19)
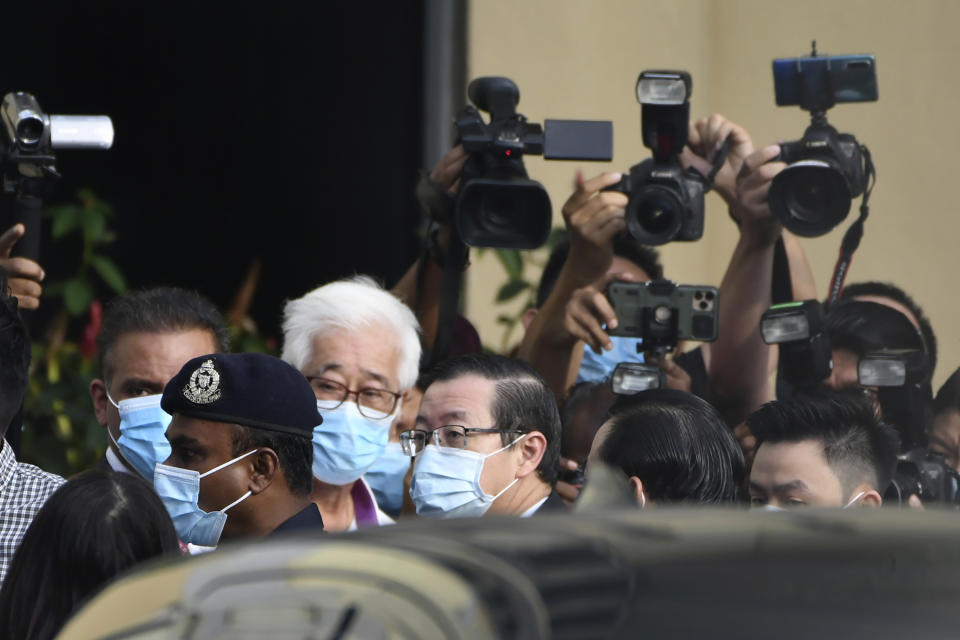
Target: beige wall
(580,59)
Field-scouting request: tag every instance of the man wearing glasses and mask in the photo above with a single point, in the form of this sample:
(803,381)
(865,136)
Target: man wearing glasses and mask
(487,440)
(359,348)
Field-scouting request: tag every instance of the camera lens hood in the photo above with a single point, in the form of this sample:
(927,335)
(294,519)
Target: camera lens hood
(512,213)
(810,197)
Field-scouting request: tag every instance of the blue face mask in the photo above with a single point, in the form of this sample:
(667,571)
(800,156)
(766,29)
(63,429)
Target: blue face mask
(143,427)
(596,367)
(179,490)
(386,476)
(348,443)
(446,482)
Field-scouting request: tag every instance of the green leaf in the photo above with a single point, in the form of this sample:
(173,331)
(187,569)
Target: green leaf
(512,261)
(109,272)
(511,290)
(77,294)
(94,224)
(54,289)
(65,220)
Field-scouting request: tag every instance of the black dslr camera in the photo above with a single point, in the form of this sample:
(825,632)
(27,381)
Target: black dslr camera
(498,205)
(826,169)
(925,475)
(666,200)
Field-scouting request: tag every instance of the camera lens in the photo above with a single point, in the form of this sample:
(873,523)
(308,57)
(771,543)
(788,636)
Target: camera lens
(654,216)
(810,197)
(509,214)
(29,131)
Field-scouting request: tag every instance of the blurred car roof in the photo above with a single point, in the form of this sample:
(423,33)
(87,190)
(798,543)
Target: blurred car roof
(680,573)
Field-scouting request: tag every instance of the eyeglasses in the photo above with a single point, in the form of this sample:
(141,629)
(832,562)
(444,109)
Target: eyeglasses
(453,436)
(372,403)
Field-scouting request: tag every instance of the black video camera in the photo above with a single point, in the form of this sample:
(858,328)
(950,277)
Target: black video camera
(665,200)
(28,141)
(925,475)
(498,205)
(826,169)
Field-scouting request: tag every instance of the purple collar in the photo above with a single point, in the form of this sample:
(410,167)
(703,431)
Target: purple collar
(364,507)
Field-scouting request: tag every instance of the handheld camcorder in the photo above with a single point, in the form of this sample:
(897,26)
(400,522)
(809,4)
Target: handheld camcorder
(925,475)
(806,351)
(826,169)
(28,141)
(29,137)
(659,313)
(498,205)
(665,200)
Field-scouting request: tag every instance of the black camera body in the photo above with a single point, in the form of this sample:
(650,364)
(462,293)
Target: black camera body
(825,173)
(665,200)
(924,474)
(498,205)
(827,169)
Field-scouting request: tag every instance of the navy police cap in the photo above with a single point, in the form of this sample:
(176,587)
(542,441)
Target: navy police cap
(252,389)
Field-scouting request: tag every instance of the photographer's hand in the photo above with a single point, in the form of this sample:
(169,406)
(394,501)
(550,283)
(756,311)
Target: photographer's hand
(752,186)
(589,310)
(593,218)
(24,275)
(426,302)
(739,359)
(446,173)
(704,140)
(677,376)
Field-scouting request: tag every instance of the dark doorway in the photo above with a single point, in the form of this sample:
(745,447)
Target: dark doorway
(243,131)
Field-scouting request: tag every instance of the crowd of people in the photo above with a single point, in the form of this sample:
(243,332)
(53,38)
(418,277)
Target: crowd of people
(350,428)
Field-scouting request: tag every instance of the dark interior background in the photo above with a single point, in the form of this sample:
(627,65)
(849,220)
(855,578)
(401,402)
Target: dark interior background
(242,131)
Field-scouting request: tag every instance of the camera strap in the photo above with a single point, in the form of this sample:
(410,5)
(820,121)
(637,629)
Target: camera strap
(851,239)
(719,161)
(454,262)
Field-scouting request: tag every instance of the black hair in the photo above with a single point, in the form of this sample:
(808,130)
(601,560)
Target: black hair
(895,293)
(585,408)
(295,454)
(14,355)
(647,258)
(158,310)
(862,327)
(522,400)
(677,445)
(857,445)
(93,528)
(948,397)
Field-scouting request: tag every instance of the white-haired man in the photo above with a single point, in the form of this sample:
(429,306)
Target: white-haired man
(359,347)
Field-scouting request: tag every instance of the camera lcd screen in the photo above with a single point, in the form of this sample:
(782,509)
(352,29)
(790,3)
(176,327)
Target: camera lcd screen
(578,140)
